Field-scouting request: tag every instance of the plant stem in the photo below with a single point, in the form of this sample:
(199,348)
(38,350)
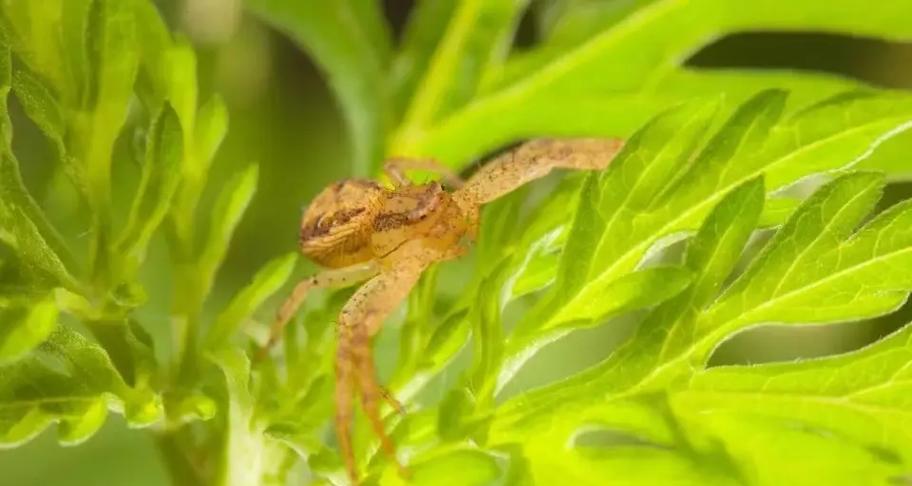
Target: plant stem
(182,470)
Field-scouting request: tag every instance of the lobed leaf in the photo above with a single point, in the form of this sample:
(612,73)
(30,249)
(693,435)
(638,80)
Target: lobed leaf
(68,380)
(853,407)
(819,267)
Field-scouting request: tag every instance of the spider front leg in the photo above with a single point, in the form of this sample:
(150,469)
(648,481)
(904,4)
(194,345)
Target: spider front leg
(533,160)
(360,319)
(395,168)
(335,278)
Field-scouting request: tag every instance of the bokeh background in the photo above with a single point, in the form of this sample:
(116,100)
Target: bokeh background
(284,117)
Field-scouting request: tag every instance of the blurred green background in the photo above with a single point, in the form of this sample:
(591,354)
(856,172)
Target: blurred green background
(284,117)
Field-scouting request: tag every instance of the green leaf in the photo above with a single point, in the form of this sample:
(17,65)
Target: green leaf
(157,186)
(113,61)
(627,50)
(476,34)
(41,244)
(853,407)
(711,256)
(162,69)
(265,283)
(487,340)
(130,349)
(472,467)
(640,208)
(820,267)
(230,206)
(25,326)
(42,107)
(426,26)
(69,380)
(211,129)
(245,444)
(43,267)
(46,36)
(349,41)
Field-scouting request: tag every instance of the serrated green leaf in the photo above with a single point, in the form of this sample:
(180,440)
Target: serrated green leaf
(740,150)
(711,256)
(63,380)
(852,406)
(633,291)
(819,269)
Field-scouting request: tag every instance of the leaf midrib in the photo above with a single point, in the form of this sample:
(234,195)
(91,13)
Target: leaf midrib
(744,317)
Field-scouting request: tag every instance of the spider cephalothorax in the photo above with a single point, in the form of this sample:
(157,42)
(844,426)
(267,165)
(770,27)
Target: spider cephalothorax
(354,221)
(336,226)
(387,236)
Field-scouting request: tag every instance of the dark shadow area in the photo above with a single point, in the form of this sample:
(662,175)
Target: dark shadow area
(870,60)
(779,343)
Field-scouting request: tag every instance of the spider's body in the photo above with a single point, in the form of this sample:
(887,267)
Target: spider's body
(336,227)
(358,221)
(387,236)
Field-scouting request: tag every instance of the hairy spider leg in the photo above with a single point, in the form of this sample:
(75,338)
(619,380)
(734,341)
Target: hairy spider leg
(395,168)
(360,319)
(533,160)
(333,278)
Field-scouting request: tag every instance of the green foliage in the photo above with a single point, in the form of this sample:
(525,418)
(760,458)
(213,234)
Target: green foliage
(71,348)
(702,228)
(606,68)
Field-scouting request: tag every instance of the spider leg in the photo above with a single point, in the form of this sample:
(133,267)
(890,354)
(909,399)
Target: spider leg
(345,391)
(371,394)
(533,160)
(392,400)
(360,319)
(395,168)
(335,278)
